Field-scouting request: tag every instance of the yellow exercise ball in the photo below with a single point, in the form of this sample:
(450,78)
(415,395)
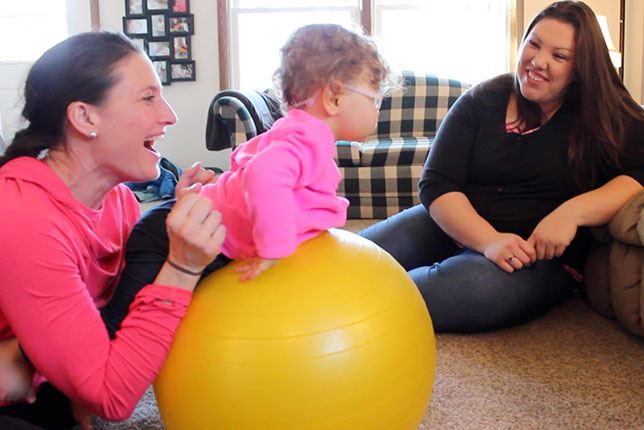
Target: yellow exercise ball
(333,337)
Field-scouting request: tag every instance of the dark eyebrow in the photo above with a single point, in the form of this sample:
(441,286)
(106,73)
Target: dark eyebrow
(556,47)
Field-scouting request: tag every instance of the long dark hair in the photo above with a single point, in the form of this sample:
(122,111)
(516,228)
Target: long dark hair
(604,108)
(80,68)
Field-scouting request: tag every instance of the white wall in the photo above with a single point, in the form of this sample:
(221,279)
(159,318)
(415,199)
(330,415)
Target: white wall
(14,73)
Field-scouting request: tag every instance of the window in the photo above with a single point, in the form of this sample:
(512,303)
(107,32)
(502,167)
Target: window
(33,25)
(257,32)
(468,40)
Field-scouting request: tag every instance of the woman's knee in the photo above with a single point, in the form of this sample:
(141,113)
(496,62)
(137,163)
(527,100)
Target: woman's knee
(411,237)
(408,223)
(470,293)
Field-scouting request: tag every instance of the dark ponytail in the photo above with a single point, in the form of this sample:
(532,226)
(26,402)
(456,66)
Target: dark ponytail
(76,69)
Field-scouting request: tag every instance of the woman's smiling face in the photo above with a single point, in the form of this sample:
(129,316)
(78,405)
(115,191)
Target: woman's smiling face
(133,115)
(546,63)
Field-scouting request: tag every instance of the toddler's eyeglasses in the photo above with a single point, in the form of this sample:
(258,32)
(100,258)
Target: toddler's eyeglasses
(377,98)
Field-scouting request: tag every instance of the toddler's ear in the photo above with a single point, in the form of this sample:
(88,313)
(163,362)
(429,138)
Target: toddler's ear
(332,97)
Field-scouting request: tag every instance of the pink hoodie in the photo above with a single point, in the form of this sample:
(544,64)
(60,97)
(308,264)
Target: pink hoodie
(60,261)
(280,189)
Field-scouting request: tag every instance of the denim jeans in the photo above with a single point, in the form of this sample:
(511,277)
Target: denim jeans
(463,290)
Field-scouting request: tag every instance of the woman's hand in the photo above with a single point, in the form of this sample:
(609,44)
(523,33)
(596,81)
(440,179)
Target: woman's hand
(254,266)
(82,416)
(553,234)
(510,252)
(195,232)
(192,179)
(16,374)
(454,213)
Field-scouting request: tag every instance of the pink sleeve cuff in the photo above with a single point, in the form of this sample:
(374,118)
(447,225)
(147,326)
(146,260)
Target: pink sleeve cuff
(179,298)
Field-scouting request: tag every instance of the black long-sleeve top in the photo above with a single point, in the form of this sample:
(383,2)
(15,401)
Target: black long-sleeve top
(513,180)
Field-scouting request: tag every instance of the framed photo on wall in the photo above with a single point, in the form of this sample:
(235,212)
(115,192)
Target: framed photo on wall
(163,29)
(135,26)
(158,25)
(183,71)
(181,48)
(163,70)
(134,8)
(159,49)
(180,25)
(180,6)
(157,5)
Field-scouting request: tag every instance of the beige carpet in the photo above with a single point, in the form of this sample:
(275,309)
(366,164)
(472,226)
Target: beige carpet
(570,369)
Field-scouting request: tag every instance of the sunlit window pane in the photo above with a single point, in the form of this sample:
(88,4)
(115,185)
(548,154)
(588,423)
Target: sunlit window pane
(467,40)
(449,39)
(258,56)
(278,4)
(33,26)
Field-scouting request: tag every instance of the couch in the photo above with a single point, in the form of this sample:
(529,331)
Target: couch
(380,175)
(613,272)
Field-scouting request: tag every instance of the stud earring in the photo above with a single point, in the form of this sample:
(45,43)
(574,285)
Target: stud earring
(93,135)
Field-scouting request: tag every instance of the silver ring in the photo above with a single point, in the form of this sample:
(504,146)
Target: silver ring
(510,259)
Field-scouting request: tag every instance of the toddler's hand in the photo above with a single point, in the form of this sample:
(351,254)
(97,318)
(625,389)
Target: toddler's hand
(254,266)
(16,374)
(192,179)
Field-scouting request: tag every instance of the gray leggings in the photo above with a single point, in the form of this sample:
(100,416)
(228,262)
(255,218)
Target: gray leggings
(463,290)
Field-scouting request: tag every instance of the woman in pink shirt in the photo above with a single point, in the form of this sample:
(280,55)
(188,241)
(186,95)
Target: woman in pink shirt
(94,107)
(281,186)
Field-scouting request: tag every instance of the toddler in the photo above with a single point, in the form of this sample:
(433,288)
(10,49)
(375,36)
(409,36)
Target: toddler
(281,186)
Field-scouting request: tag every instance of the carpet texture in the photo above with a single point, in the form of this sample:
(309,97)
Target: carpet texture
(570,369)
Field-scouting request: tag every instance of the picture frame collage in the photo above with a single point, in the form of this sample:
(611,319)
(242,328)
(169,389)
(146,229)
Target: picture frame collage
(163,30)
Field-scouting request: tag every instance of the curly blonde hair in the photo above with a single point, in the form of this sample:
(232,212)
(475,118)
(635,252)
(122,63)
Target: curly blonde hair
(318,54)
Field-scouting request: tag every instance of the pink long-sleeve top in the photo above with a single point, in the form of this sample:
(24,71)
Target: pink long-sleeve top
(60,261)
(280,189)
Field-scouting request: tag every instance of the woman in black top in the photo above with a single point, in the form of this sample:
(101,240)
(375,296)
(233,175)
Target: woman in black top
(519,166)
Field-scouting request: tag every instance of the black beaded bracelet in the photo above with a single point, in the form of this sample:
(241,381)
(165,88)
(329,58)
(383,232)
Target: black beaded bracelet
(181,269)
